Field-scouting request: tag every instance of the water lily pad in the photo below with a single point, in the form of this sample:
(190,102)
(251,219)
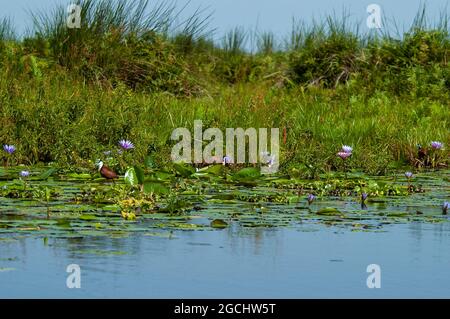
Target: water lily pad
(329,211)
(219,223)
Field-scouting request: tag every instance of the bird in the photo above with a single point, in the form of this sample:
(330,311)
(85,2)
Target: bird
(422,155)
(105,171)
(421,152)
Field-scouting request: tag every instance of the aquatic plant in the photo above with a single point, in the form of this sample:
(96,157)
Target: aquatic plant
(344,155)
(24,174)
(437,145)
(227,160)
(267,158)
(347,149)
(126,145)
(409,175)
(364,197)
(9,148)
(311,198)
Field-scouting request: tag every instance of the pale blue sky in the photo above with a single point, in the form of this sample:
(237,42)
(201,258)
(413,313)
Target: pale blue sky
(274,15)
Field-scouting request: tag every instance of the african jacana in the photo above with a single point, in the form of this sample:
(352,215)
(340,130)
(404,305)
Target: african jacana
(422,155)
(421,152)
(105,171)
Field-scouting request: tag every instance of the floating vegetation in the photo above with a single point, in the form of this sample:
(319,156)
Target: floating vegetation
(74,205)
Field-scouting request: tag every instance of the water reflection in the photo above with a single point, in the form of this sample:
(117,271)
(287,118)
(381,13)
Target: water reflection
(252,259)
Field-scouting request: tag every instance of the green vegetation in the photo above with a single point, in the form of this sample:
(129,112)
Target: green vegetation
(69,95)
(73,205)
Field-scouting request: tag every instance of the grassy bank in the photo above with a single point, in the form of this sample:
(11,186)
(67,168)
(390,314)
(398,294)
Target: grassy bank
(68,95)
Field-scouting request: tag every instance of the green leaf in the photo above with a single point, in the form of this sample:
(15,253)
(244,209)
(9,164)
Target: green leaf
(219,223)
(130,177)
(139,174)
(149,162)
(183,169)
(88,217)
(65,223)
(329,211)
(47,173)
(157,188)
(79,176)
(213,169)
(162,175)
(248,173)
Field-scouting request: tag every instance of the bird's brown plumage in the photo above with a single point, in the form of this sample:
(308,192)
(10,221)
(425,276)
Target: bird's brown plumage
(108,173)
(422,153)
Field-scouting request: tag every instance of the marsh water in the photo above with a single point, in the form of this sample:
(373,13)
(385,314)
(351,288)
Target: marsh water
(274,244)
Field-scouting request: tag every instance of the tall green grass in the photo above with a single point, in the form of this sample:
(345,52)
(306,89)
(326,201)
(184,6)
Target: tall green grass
(6,30)
(137,71)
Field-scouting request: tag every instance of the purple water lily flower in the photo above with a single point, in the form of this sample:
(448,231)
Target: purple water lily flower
(344,155)
(24,174)
(364,197)
(311,198)
(445,208)
(126,145)
(437,145)
(267,159)
(271,160)
(227,160)
(347,149)
(408,175)
(9,148)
